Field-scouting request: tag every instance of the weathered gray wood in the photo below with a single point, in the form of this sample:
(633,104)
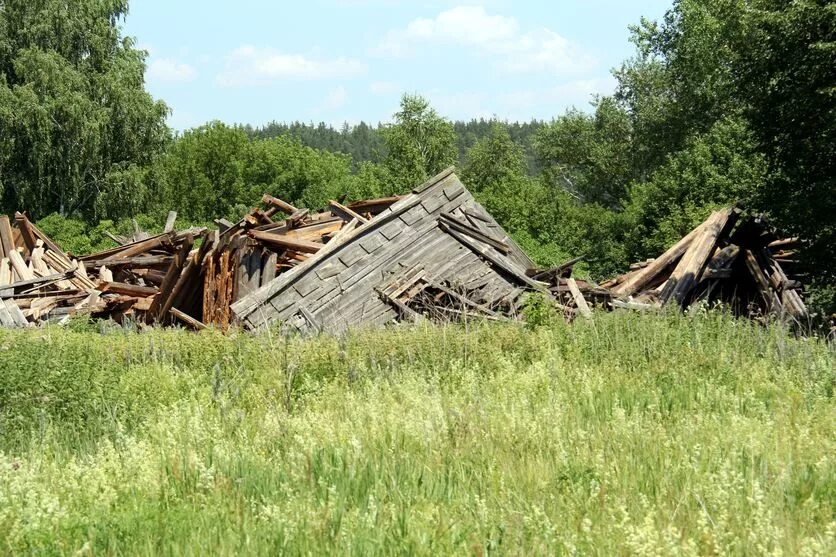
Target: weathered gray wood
(497,260)
(461,299)
(623,304)
(243,308)
(330,269)
(688,272)
(580,301)
(5,272)
(475,233)
(770,298)
(345,213)
(8,290)
(435,180)
(278,204)
(405,311)
(7,244)
(303,246)
(16,313)
(169,221)
(6,319)
(643,277)
(136,261)
(790,297)
(223,225)
(312,322)
(188,319)
(268,269)
(340,295)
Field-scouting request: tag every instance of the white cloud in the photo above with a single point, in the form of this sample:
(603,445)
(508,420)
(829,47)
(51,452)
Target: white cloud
(171,71)
(384,88)
(524,104)
(460,25)
(498,37)
(337,98)
(250,64)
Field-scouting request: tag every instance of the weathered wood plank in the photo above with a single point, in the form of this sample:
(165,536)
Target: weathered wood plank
(580,301)
(282,241)
(475,233)
(7,243)
(188,319)
(644,276)
(345,213)
(688,272)
(127,289)
(169,221)
(278,204)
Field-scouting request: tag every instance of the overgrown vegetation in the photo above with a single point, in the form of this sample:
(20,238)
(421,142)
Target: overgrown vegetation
(647,435)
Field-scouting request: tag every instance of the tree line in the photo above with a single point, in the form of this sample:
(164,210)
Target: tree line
(722,101)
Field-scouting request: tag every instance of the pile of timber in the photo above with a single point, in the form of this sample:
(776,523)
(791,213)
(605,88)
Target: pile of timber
(269,242)
(38,281)
(573,296)
(434,253)
(190,277)
(728,259)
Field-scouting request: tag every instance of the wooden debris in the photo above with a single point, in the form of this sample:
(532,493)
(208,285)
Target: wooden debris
(722,260)
(434,254)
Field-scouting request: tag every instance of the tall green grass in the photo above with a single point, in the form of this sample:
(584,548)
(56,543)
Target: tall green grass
(628,435)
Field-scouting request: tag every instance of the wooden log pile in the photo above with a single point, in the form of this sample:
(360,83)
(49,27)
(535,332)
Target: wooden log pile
(432,254)
(726,259)
(190,277)
(38,281)
(268,242)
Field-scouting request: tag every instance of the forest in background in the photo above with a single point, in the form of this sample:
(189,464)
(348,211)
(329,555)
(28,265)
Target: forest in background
(722,101)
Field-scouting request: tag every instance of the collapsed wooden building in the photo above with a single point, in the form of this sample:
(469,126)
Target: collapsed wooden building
(434,253)
(726,259)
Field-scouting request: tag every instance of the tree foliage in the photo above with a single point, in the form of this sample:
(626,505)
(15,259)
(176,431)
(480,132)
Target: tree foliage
(589,155)
(420,143)
(217,170)
(76,124)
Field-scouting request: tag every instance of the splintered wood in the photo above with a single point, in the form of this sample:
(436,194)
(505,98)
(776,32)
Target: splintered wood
(722,260)
(433,254)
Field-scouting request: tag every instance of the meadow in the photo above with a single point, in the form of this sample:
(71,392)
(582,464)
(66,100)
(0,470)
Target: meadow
(628,435)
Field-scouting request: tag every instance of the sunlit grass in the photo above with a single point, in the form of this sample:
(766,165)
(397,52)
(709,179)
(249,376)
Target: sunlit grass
(628,435)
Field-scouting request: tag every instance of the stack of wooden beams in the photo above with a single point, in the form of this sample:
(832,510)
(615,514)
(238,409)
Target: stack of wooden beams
(189,277)
(725,259)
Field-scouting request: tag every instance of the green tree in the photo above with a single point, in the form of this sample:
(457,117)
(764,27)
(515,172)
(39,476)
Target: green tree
(420,143)
(76,123)
(718,168)
(219,170)
(786,78)
(495,158)
(589,155)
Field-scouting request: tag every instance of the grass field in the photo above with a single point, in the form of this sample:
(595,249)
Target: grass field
(632,435)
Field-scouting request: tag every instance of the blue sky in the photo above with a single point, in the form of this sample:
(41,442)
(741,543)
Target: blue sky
(252,61)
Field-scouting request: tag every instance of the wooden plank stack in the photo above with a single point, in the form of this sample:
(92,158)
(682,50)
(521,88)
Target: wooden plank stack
(724,259)
(573,296)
